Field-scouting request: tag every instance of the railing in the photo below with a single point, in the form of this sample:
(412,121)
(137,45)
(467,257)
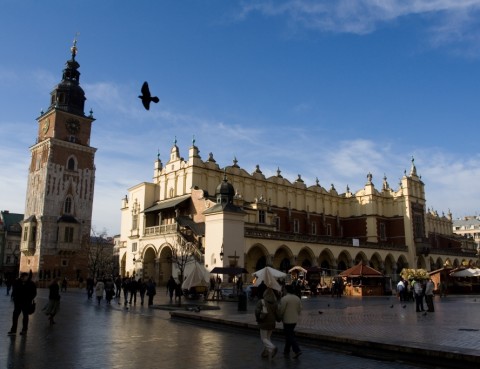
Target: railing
(296,237)
(160,229)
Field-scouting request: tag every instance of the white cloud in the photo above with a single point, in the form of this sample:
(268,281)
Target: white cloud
(449,21)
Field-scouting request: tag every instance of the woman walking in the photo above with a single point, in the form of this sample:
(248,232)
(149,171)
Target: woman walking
(266,314)
(99,288)
(53,305)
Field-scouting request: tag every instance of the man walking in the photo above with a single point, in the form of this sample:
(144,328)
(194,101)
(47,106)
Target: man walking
(23,293)
(289,311)
(429,296)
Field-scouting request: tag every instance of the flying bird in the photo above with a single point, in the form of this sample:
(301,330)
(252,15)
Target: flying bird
(146,96)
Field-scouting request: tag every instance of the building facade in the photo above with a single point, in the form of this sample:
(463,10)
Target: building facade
(10,233)
(227,216)
(61,179)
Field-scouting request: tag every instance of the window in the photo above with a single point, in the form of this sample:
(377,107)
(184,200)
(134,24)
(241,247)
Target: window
(68,205)
(314,228)
(9,245)
(25,234)
(277,223)
(383,233)
(261,216)
(68,237)
(64,262)
(34,234)
(329,229)
(134,247)
(71,164)
(296,226)
(134,221)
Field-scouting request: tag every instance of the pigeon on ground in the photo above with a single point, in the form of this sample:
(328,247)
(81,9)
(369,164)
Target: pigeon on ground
(146,97)
(391,306)
(320,312)
(404,306)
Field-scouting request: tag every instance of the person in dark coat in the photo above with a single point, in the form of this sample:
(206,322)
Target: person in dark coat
(53,305)
(171,287)
(151,291)
(109,290)
(142,288)
(23,293)
(267,322)
(133,291)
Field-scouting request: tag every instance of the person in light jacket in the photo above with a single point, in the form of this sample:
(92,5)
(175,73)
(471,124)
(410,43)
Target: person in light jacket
(289,311)
(267,324)
(99,289)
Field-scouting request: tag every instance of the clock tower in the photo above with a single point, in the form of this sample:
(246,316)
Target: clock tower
(61,179)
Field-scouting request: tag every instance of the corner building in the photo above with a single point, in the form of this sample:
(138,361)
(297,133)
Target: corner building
(231,217)
(61,179)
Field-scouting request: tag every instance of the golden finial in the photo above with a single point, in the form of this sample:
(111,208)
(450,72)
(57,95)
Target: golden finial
(74,47)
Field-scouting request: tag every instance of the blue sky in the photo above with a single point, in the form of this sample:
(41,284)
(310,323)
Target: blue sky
(327,89)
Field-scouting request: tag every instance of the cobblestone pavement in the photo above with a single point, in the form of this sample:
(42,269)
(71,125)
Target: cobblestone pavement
(88,335)
(454,326)
(380,327)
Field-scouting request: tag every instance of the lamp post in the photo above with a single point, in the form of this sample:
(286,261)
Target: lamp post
(221,253)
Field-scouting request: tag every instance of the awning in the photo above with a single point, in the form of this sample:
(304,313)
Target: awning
(167,204)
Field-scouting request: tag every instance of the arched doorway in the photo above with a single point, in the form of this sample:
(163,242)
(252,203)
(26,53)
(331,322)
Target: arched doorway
(149,264)
(164,264)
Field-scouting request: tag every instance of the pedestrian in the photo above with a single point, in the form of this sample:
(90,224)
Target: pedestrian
(9,284)
(289,311)
(429,296)
(418,291)
(401,290)
(109,290)
(53,305)
(133,288)
(125,288)
(64,284)
(171,287)
(90,287)
(151,291)
(23,292)
(266,312)
(118,286)
(443,289)
(142,288)
(99,288)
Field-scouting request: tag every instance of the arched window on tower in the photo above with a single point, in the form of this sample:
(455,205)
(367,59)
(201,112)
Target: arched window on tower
(71,164)
(67,209)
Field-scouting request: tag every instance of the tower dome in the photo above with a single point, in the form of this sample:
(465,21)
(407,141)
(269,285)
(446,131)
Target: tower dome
(225,191)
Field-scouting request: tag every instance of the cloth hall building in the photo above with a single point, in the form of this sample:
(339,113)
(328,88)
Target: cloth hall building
(229,217)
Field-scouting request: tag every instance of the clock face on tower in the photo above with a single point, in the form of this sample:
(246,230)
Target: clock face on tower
(73,126)
(46,125)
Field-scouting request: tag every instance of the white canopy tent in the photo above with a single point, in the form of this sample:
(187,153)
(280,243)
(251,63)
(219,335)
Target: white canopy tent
(199,276)
(269,276)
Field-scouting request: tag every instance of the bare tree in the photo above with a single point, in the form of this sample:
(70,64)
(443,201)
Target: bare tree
(183,252)
(99,251)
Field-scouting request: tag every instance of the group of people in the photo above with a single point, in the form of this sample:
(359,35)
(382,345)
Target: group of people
(271,309)
(418,290)
(130,286)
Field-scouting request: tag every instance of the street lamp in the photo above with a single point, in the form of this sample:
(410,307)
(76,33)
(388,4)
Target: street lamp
(221,253)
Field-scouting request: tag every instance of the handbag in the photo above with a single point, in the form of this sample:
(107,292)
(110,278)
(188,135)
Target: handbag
(32,307)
